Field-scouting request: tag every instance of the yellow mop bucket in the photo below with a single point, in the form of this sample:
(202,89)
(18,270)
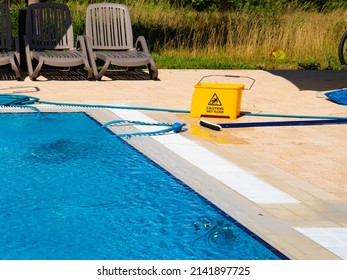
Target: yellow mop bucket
(218,99)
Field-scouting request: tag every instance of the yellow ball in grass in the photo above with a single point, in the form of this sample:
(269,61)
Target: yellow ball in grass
(278,54)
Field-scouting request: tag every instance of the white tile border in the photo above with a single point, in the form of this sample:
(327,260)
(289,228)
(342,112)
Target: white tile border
(333,239)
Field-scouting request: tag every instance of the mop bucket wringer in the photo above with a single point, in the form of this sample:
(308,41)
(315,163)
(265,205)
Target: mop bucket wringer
(218,99)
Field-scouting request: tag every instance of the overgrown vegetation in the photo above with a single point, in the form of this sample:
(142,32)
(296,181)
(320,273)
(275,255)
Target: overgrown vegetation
(232,34)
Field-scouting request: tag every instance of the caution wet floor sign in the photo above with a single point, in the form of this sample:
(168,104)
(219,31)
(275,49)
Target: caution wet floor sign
(217,100)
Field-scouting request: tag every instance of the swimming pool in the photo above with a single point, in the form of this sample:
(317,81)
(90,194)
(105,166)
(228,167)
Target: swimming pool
(73,190)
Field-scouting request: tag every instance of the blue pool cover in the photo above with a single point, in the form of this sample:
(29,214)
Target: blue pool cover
(338,96)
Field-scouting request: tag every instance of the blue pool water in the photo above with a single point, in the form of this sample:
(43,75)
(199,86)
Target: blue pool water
(72,190)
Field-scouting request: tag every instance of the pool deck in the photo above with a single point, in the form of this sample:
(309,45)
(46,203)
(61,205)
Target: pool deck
(287,184)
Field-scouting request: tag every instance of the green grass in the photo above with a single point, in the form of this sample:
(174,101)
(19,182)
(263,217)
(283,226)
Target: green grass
(179,60)
(186,39)
(186,61)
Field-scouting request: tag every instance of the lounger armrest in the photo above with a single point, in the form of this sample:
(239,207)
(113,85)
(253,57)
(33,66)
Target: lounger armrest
(81,44)
(91,55)
(16,48)
(141,44)
(89,48)
(28,55)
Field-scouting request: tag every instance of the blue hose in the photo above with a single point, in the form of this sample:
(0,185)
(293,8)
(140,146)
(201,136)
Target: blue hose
(21,101)
(176,128)
(115,107)
(292,116)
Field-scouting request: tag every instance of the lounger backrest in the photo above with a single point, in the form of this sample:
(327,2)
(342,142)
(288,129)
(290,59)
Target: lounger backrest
(5,28)
(109,26)
(49,26)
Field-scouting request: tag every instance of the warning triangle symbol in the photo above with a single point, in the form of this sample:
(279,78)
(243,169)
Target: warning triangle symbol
(214,101)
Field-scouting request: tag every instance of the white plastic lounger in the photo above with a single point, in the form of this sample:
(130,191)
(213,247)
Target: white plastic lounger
(49,39)
(109,38)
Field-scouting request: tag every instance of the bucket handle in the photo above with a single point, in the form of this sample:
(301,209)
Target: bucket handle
(231,76)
